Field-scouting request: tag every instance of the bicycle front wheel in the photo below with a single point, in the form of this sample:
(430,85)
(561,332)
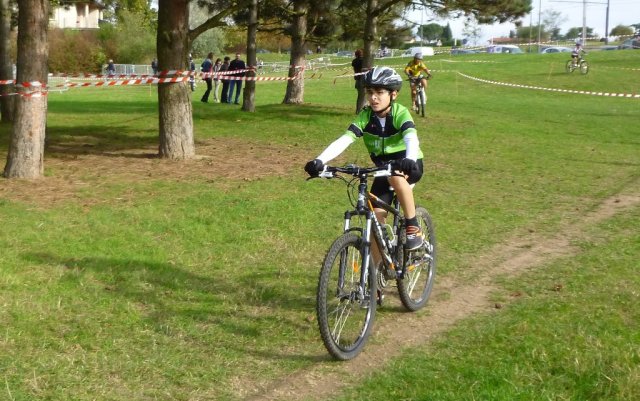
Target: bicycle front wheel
(415,285)
(422,102)
(345,308)
(584,67)
(570,67)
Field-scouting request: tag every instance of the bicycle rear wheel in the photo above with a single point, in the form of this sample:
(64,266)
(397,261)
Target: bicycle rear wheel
(415,285)
(345,309)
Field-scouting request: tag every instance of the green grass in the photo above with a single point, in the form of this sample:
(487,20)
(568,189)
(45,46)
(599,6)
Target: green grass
(186,288)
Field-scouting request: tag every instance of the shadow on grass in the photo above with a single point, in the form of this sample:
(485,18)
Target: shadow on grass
(164,292)
(97,140)
(97,107)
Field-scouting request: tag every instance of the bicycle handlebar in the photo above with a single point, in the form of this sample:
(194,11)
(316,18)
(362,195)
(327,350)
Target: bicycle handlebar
(356,171)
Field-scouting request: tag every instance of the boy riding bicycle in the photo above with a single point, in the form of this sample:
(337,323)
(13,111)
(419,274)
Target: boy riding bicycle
(416,70)
(390,135)
(576,54)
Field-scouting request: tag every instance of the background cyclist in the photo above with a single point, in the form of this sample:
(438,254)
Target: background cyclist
(576,53)
(416,70)
(390,135)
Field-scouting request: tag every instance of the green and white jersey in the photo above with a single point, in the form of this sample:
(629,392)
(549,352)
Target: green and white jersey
(385,138)
(393,137)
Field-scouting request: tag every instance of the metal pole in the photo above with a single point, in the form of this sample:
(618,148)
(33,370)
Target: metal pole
(530,28)
(606,26)
(584,22)
(539,12)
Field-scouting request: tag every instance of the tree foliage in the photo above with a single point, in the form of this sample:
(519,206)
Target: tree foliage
(483,11)
(622,30)
(131,40)
(431,31)
(576,32)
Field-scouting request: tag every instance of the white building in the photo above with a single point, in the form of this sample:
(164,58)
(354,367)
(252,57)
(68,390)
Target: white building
(77,15)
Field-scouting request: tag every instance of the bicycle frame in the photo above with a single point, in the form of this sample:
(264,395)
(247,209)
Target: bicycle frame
(365,207)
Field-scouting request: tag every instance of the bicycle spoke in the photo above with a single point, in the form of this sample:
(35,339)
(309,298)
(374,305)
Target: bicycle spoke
(344,311)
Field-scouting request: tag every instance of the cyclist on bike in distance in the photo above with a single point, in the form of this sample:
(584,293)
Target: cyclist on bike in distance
(576,53)
(390,135)
(417,70)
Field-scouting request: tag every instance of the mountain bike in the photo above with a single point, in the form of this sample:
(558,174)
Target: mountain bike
(350,287)
(581,64)
(421,96)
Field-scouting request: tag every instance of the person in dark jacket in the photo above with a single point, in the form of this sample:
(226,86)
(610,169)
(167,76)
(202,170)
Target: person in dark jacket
(224,95)
(206,67)
(357,64)
(236,65)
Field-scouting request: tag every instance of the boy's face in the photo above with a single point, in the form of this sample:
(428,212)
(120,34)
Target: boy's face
(379,99)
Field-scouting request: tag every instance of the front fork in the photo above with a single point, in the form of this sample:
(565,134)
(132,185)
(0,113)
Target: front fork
(371,221)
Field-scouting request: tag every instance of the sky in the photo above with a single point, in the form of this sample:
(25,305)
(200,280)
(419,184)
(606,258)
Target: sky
(621,12)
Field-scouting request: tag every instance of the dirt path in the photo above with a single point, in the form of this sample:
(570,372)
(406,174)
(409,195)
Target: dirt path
(453,299)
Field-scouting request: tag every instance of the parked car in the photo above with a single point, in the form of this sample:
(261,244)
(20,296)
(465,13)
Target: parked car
(426,51)
(511,49)
(463,51)
(556,49)
(630,44)
(344,53)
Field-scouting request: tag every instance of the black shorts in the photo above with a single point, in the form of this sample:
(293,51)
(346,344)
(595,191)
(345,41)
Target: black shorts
(382,189)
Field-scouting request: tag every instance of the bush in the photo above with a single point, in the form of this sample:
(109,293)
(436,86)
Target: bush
(74,51)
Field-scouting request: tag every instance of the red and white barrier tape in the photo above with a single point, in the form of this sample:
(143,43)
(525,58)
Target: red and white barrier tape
(581,92)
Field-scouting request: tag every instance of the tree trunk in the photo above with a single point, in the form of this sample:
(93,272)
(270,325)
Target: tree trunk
(295,87)
(26,149)
(248,101)
(174,99)
(370,34)
(6,70)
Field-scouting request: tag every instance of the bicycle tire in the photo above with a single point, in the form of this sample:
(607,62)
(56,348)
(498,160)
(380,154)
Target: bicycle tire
(584,67)
(416,284)
(344,320)
(422,101)
(570,67)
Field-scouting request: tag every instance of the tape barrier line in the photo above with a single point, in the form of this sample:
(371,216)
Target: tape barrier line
(573,91)
(32,89)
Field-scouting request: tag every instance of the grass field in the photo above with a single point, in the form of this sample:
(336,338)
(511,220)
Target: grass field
(125,277)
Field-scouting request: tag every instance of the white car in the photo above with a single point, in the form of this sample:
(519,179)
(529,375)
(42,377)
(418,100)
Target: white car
(556,49)
(508,49)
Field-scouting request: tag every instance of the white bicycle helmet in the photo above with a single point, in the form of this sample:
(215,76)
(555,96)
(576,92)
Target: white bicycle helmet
(418,56)
(383,77)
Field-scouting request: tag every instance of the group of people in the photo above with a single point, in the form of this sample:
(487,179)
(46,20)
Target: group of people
(230,81)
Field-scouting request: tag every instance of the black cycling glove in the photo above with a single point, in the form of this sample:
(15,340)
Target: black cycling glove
(314,167)
(410,168)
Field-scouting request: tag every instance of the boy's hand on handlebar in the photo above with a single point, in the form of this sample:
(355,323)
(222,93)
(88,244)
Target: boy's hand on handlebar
(314,167)
(408,167)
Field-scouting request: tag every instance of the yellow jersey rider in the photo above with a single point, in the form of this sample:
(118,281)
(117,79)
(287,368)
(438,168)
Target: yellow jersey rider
(417,70)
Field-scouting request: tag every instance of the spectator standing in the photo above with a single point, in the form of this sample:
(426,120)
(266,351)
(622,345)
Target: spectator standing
(224,95)
(236,65)
(154,66)
(216,79)
(192,74)
(357,64)
(206,67)
(111,68)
